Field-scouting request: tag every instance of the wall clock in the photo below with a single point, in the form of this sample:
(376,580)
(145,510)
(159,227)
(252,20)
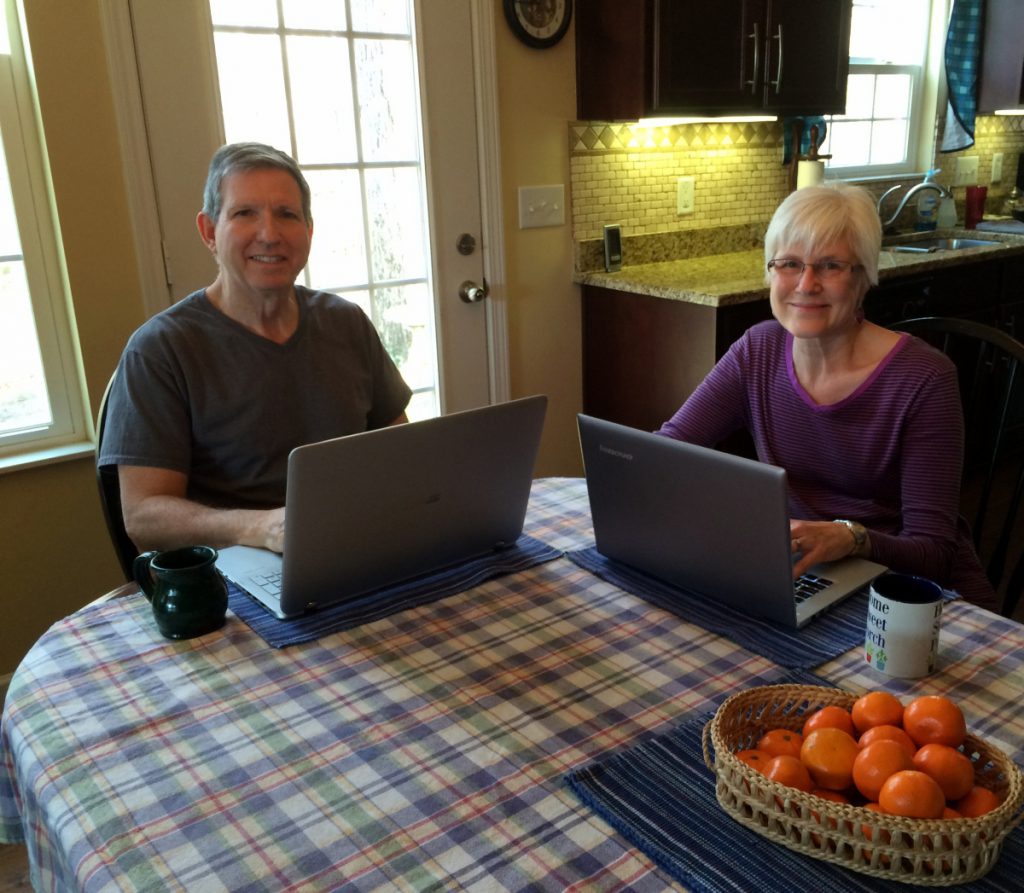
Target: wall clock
(538,23)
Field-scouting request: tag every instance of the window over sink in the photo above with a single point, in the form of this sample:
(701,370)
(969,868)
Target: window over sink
(888,129)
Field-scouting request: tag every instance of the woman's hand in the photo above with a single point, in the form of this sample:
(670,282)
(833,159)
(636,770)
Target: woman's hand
(817,541)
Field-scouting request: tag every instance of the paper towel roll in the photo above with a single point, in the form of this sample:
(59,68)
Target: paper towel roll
(809,173)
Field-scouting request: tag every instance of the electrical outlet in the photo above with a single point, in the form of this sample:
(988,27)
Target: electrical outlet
(966,171)
(541,206)
(684,195)
(997,167)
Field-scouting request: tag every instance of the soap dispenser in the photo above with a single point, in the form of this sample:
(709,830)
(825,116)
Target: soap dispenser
(946,218)
(927,205)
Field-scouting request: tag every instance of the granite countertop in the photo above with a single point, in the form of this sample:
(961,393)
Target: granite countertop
(737,277)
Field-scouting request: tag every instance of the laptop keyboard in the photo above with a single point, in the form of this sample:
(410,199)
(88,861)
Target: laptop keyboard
(808,585)
(268,581)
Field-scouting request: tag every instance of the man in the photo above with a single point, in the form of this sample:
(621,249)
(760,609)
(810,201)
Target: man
(212,394)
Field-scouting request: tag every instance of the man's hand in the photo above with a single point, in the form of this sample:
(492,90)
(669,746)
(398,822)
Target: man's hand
(272,523)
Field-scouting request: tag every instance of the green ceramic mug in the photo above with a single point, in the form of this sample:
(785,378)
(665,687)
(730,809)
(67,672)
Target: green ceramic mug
(188,595)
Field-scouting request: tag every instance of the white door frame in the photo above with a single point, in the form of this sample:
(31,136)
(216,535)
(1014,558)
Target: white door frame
(120,48)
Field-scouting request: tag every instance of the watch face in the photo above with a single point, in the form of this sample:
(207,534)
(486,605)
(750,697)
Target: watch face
(538,23)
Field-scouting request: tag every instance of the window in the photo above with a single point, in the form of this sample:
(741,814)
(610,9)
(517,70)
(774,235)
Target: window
(889,125)
(40,392)
(358,144)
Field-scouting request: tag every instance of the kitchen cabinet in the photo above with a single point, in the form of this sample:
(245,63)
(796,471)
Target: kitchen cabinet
(1001,81)
(643,355)
(1011,305)
(682,57)
(967,291)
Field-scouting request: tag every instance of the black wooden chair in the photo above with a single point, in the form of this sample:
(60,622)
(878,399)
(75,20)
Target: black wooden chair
(991,367)
(110,496)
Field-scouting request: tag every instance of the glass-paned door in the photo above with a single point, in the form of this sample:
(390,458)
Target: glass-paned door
(336,86)
(387,106)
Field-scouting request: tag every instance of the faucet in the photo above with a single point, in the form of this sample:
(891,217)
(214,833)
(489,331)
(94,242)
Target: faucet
(888,226)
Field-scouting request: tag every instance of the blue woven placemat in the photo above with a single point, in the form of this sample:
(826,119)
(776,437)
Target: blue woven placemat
(660,796)
(526,552)
(834,632)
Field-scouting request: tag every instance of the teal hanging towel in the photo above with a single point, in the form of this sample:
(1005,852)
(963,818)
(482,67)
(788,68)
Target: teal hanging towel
(963,56)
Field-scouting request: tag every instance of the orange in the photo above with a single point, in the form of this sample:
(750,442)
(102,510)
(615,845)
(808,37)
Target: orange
(788,770)
(977,802)
(949,767)
(834,796)
(912,794)
(876,708)
(884,837)
(833,822)
(757,759)
(950,813)
(781,741)
(833,717)
(891,733)
(828,753)
(867,831)
(934,719)
(876,762)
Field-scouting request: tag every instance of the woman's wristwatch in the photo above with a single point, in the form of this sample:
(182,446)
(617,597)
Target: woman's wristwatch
(860,535)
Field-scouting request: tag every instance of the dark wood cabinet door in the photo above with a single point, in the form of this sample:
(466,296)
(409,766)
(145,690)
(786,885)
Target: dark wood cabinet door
(637,365)
(707,58)
(690,57)
(806,56)
(971,291)
(894,301)
(613,59)
(1011,310)
(782,56)
(1001,84)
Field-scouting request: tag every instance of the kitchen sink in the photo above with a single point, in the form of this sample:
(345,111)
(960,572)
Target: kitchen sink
(927,246)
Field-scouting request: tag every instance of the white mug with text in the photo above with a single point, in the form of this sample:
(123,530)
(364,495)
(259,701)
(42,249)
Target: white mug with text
(902,636)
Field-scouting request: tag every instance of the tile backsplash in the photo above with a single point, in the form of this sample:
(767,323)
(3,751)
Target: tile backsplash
(625,173)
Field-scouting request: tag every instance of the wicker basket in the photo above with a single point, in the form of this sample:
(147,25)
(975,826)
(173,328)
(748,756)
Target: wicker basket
(939,852)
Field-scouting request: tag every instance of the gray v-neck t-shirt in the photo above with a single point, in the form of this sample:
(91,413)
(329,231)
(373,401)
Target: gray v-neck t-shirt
(197,392)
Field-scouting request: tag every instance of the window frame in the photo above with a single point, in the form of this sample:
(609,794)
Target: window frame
(913,156)
(926,90)
(70,431)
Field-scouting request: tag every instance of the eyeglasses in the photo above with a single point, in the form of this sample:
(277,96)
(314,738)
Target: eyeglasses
(823,269)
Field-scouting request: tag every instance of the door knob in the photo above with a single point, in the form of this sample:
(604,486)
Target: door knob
(472,293)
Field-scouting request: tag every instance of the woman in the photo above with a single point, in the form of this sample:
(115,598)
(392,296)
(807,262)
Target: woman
(866,421)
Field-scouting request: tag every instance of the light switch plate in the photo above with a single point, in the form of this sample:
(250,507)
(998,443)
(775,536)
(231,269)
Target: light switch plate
(541,206)
(966,171)
(997,167)
(684,195)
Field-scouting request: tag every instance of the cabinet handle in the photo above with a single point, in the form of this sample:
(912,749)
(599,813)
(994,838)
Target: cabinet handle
(777,83)
(756,37)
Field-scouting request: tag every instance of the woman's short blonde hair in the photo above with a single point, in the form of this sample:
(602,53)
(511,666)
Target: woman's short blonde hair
(816,216)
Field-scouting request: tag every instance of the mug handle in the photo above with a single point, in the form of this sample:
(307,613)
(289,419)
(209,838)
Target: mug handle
(141,573)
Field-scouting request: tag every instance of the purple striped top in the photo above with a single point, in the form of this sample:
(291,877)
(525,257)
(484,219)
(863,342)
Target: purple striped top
(889,455)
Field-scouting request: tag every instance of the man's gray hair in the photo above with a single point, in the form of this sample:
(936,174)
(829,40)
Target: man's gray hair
(235,157)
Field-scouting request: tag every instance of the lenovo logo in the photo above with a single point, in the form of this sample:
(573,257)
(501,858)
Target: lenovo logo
(613,452)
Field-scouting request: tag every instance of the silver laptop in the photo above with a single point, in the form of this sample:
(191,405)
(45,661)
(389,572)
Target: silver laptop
(710,522)
(382,506)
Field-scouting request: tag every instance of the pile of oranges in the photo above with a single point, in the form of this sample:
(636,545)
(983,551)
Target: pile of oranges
(896,760)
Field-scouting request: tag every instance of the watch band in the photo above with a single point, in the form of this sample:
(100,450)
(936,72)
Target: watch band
(860,534)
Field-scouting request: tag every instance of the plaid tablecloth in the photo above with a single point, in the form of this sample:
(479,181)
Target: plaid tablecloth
(424,751)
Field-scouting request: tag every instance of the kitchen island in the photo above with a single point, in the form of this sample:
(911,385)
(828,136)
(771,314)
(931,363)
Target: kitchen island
(651,332)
